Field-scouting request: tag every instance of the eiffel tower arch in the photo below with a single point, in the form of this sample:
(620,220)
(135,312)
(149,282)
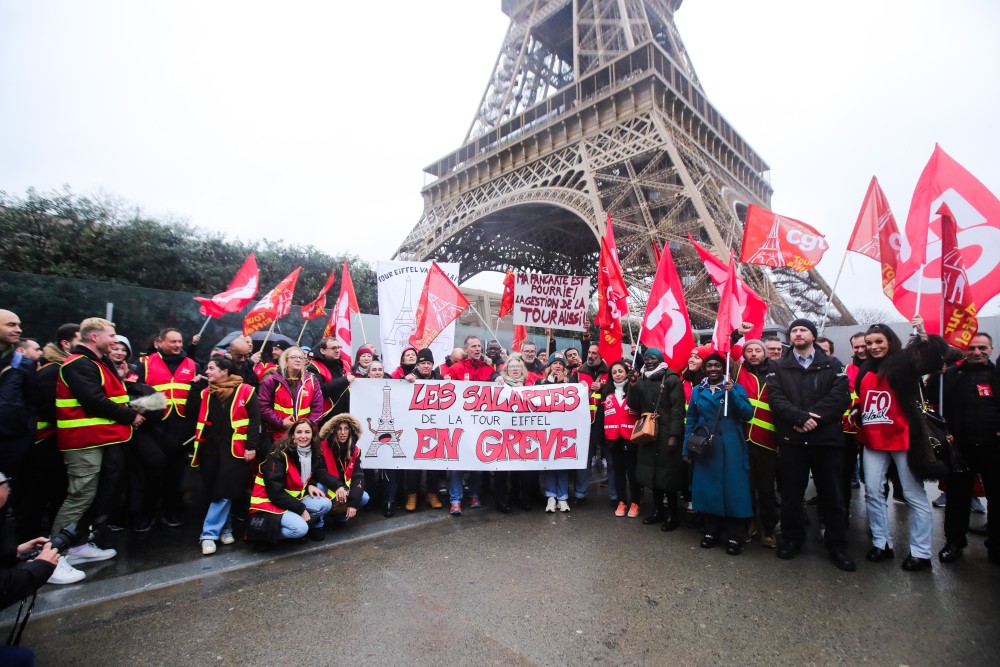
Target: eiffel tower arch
(593,108)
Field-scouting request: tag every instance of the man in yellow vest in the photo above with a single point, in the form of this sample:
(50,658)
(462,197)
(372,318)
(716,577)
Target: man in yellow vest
(171,372)
(92,413)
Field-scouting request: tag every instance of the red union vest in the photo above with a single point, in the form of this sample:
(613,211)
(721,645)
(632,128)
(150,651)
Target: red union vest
(883,424)
(760,428)
(260,368)
(852,376)
(238,418)
(44,429)
(75,429)
(174,386)
(619,419)
(286,406)
(294,486)
(332,465)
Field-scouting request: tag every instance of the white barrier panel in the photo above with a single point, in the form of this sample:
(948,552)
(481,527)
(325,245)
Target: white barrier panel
(457,425)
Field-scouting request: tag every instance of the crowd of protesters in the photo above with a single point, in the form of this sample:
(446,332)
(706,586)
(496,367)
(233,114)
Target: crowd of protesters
(97,438)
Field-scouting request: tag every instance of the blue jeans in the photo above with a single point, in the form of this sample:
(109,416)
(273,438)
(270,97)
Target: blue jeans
(455,485)
(876,463)
(294,526)
(557,484)
(217,520)
(581,480)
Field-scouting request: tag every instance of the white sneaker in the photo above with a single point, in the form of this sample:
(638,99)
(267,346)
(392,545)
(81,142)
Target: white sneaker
(941,500)
(563,506)
(227,538)
(65,573)
(207,547)
(550,506)
(89,553)
(977,506)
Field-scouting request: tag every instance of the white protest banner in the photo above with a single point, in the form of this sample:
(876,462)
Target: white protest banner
(458,425)
(399,287)
(545,300)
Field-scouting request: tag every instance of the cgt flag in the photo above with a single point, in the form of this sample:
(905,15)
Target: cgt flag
(520,335)
(976,212)
(876,235)
(441,302)
(960,313)
(317,307)
(240,292)
(339,326)
(276,304)
(611,290)
(666,324)
(773,240)
(754,308)
(728,318)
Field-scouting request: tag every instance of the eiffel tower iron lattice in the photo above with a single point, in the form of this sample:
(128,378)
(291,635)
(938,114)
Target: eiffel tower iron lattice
(594,107)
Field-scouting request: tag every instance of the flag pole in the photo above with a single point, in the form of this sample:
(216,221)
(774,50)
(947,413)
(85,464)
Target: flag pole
(492,333)
(829,298)
(301,331)
(203,326)
(725,392)
(268,335)
(941,379)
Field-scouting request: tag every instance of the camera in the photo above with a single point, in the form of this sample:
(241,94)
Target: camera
(61,541)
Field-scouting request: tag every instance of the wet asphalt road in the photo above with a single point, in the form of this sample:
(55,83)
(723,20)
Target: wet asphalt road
(535,588)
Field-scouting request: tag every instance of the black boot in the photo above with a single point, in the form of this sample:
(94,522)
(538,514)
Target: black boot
(670,518)
(658,515)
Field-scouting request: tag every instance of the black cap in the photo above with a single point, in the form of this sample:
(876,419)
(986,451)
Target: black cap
(803,322)
(425,355)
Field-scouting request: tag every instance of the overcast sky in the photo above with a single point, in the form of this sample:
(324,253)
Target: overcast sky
(312,121)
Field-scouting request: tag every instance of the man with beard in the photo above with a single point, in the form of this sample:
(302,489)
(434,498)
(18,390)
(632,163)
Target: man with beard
(335,377)
(972,408)
(240,350)
(171,372)
(529,354)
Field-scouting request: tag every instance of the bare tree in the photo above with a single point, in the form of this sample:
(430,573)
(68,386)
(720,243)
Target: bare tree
(868,315)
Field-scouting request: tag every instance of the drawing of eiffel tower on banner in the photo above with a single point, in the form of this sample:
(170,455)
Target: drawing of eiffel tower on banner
(594,107)
(769,254)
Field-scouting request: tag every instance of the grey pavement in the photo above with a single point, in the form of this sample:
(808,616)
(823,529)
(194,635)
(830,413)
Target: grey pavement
(535,588)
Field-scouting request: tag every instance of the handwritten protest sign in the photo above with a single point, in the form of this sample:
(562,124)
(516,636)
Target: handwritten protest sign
(544,300)
(457,425)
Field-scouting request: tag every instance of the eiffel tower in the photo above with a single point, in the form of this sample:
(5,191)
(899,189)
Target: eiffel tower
(594,107)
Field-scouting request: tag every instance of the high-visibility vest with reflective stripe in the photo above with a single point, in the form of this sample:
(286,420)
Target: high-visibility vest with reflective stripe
(175,386)
(619,419)
(327,376)
(260,368)
(75,429)
(259,501)
(238,419)
(285,406)
(44,429)
(760,428)
(332,465)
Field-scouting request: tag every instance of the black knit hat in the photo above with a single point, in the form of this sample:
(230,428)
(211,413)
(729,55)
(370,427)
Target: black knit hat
(425,355)
(803,322)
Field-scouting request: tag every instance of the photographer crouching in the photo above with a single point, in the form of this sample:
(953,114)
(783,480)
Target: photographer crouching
(21,575)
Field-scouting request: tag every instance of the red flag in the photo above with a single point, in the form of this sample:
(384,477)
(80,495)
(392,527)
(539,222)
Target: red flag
(666,324)
(441,302)
(240,292)
(339,326)
(520,335)
(876,235)
(610,342)
(754,308)
(656,251)
(773,240)
(728,319)
(507,300)
(611,289)
(276,304)
(976,212)
(317,307)
(960,321)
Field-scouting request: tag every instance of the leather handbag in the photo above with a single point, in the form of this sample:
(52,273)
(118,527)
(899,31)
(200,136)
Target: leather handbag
(647,428)
(699,443)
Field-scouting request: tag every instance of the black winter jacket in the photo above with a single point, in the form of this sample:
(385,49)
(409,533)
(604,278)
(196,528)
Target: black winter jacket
(84,382)
(794,392)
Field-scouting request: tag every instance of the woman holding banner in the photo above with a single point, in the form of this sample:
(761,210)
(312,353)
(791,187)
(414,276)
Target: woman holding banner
(657,388)
(720,478)
(556,481)
(524,483)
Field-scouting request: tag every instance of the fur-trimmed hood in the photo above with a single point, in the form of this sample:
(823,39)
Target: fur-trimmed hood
(52,352)
(351,420)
